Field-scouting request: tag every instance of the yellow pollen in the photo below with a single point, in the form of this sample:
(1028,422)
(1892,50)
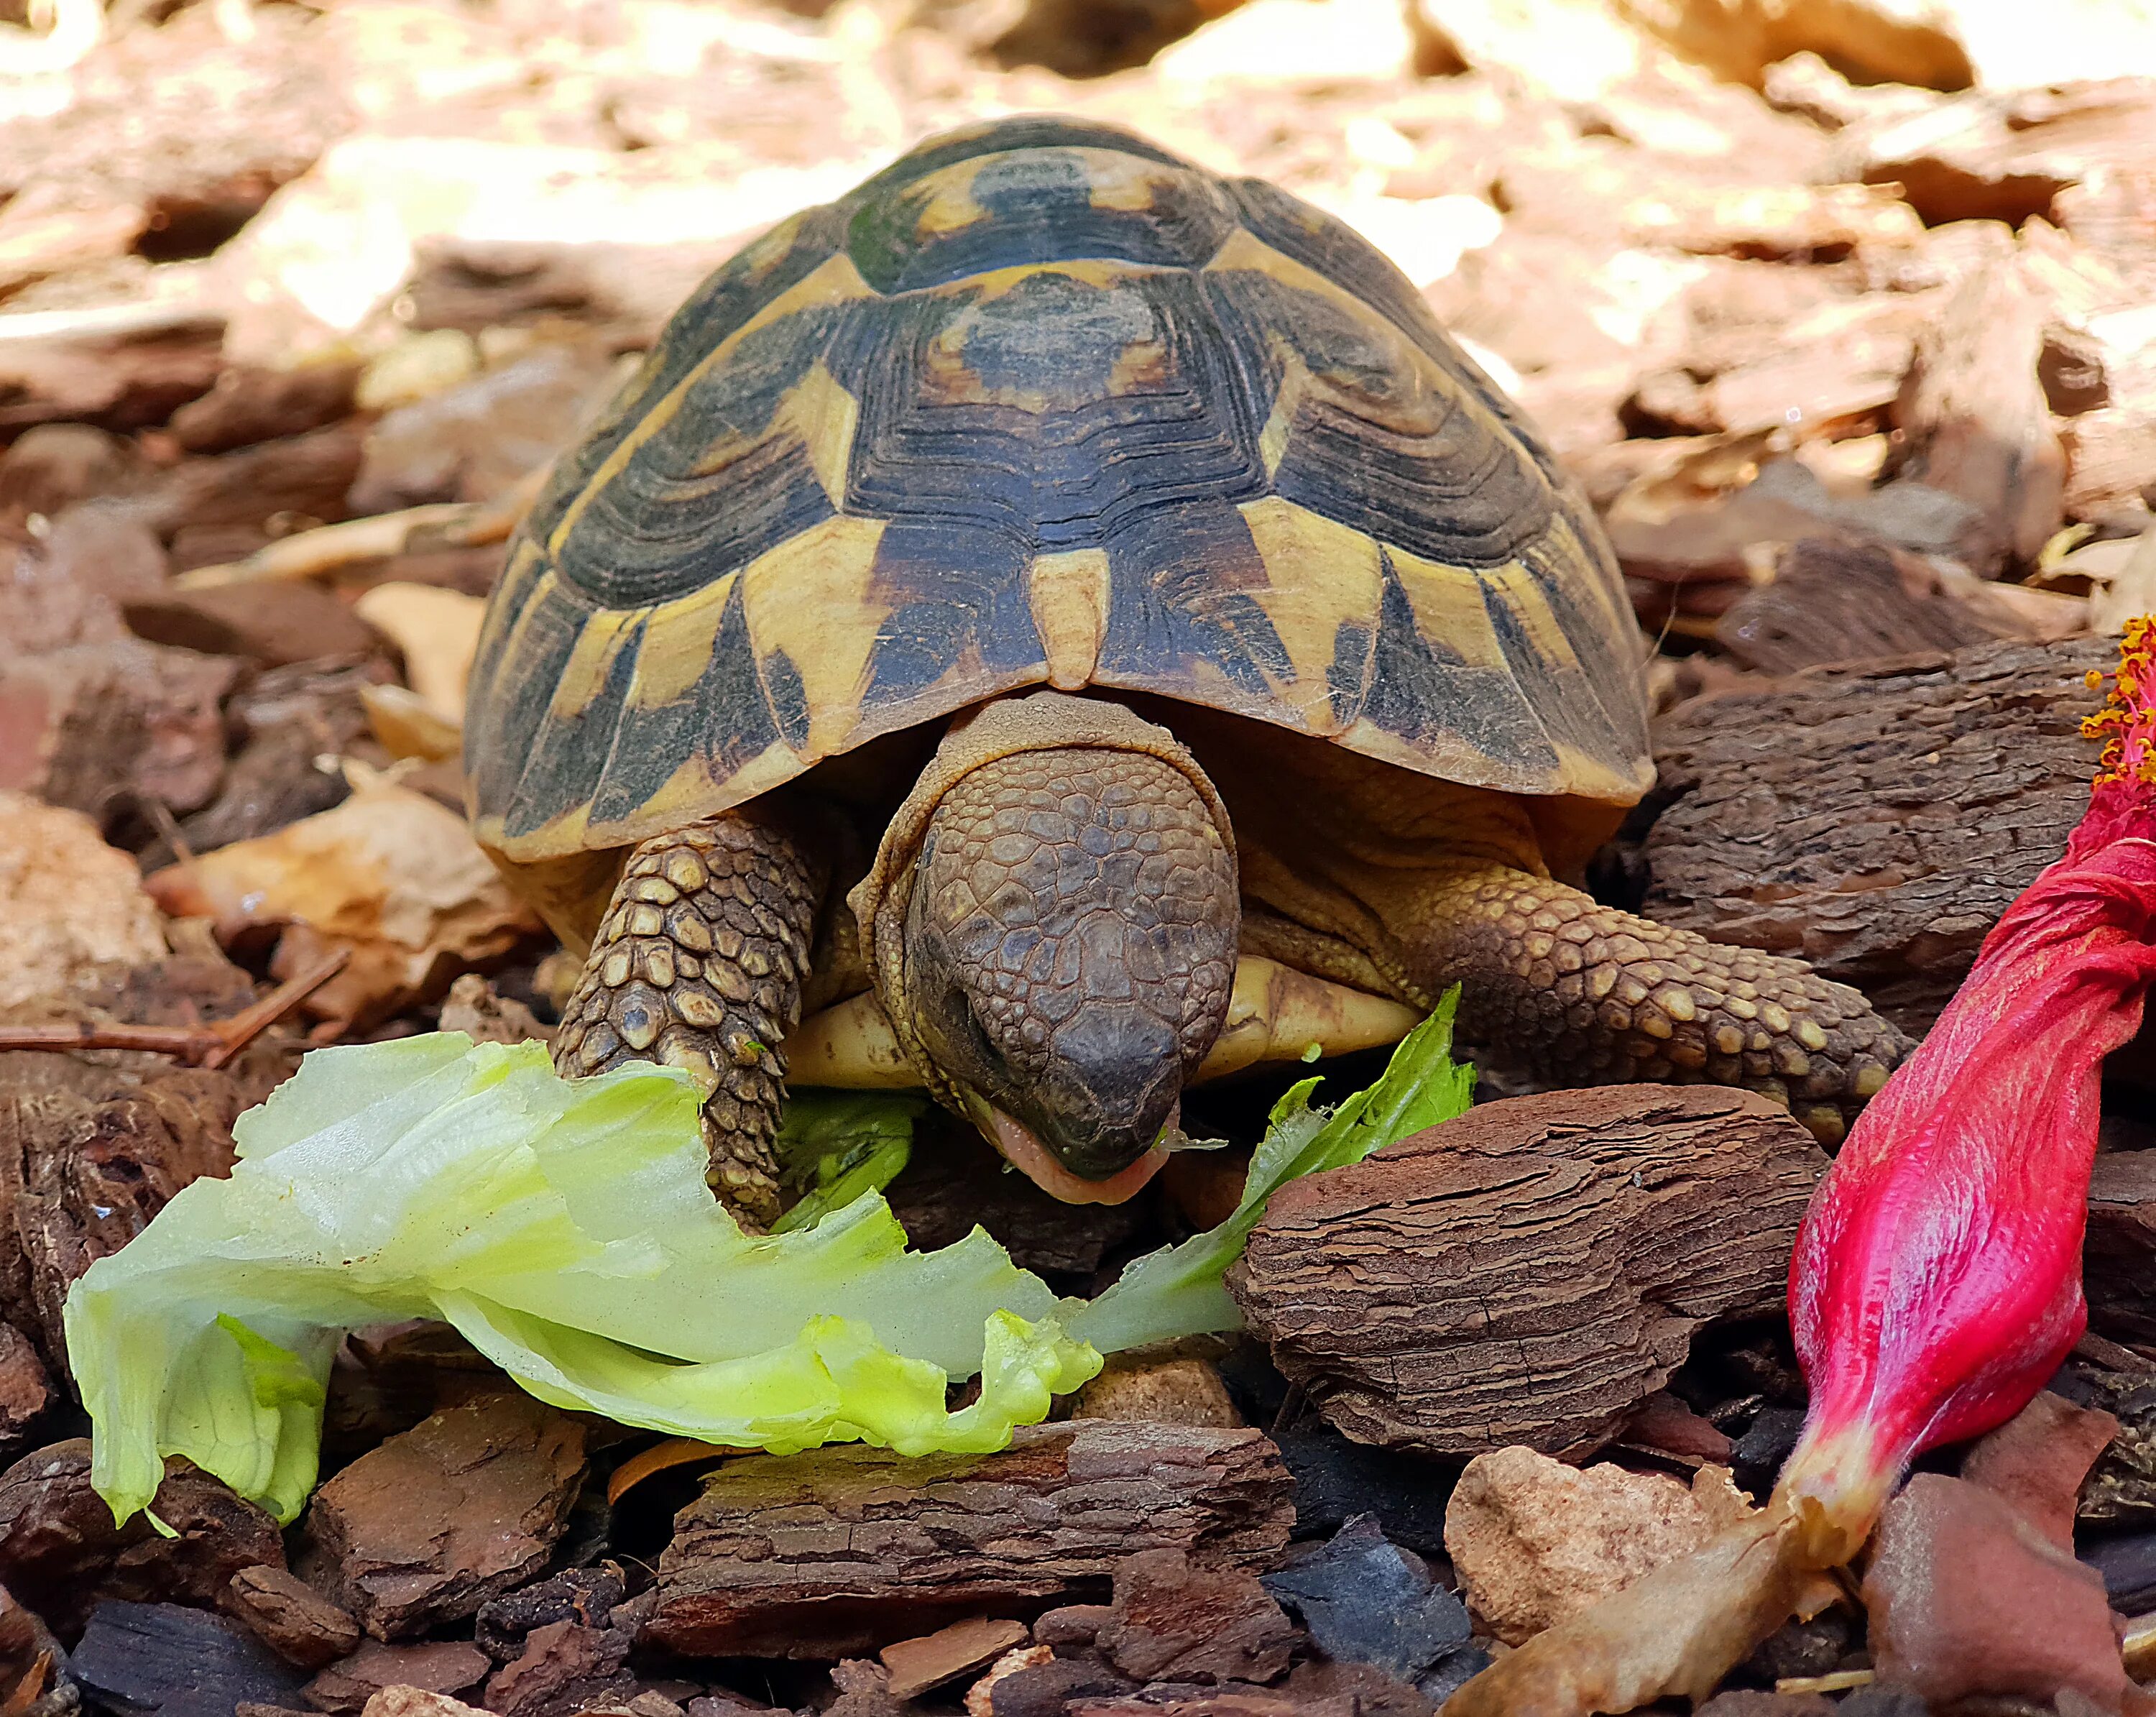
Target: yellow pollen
(2127,723)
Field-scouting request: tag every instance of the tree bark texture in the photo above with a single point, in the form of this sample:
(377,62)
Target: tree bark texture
(1874,820)
(1530,1271)
(837,1551)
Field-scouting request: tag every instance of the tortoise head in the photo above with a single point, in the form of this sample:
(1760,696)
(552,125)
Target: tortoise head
(1065,949)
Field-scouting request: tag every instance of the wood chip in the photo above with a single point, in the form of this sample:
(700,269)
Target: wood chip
(428,1527)
(916,1665)
(1530,1271)
(1833,601)
(68,899)
(1875,820)
(290,1616)
(1972,412)
(841,1550)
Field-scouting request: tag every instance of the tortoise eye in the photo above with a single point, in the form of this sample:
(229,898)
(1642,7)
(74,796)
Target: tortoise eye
(980,1046)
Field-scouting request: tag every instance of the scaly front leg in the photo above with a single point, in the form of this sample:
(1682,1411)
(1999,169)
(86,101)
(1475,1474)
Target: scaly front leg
(1572,992)
(699,964)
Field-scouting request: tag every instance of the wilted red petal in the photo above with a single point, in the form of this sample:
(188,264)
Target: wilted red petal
(1937,1280)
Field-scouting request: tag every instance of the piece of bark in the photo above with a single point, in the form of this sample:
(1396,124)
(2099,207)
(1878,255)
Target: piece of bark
(1225,1702)
(1699,553)
(1665,1425)
(476,1008)
(1047,1688)
(844,1549)
(2111,214)
(2111,462)
(290,1616)
(864,1690)
(1835,373)
(88,1155)
(1700,561)
(276,777)
(165,1660)
(2071,371)
(566,1667)
(2118,1253)
(68,582)
(1368,1692)
(52,467)
(630,290)
(117,373)
(916,1665)
(477,440)
(1833,601)
(1171,1621)
(67,899)
(250,404)
(586,1596)
(436,1667)
(1800,1648)
(34,1678)
(1968,1600)
(57,1538)
(1165,1390)
(276,625)
(1971,412)
(413,1702)
(1753,1702)
(26,1389)
(980,1700)
(430,1526)
(307,476)
(386,1381)
(1774,223)
(82,725)
(1874,820)
(49,230)
(2002,155)
(1068,1630)
(1530,1271)
(291,724)
(190,124)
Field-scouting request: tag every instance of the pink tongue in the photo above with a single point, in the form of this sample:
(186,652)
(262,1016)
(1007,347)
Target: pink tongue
(1032,1158)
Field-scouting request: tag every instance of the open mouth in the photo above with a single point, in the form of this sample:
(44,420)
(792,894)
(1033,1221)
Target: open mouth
(1025,1153)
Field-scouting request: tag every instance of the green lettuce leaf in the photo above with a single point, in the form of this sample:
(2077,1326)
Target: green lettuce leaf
(839,1145)
(565,1229)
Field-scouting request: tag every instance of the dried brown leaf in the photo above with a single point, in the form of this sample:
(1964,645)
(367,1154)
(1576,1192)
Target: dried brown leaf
(390,874)
(1677,1631)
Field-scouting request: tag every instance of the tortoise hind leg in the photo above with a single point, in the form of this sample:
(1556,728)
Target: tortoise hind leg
(699,964)
(1574,992)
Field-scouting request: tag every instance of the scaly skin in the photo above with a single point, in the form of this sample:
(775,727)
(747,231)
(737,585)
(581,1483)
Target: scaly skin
(1572,992)
(698,963)
(1071,944)
(1436,883)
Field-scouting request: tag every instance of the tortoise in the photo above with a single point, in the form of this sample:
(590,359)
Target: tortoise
(1023,588)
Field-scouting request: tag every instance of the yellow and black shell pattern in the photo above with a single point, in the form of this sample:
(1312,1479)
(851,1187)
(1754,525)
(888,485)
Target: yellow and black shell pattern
(1041,404)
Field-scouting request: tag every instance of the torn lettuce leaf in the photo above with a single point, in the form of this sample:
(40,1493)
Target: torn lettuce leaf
(839,1145)
(564,1228)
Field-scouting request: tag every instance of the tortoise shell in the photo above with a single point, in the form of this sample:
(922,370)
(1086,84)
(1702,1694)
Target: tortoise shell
(1040,403)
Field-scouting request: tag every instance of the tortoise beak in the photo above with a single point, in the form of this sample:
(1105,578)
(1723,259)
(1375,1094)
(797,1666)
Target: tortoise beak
(1022,1149)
